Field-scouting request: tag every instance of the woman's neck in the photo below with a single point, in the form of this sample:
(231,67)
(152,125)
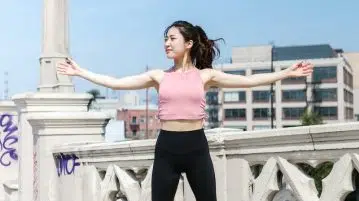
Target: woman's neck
(182,65)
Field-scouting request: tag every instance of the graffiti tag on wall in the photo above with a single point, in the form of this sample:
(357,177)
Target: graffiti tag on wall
(8,140)
(66,164)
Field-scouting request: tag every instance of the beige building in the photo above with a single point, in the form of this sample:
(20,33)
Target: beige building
(353,59)
(328,91)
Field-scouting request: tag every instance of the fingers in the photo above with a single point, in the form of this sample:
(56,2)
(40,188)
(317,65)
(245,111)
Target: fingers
(305,65)
(62,68)
(308,72)
(69,61)
(303,68)
(60,64)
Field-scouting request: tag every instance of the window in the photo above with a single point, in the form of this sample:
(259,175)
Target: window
(236,72)
(261,113)
(293,95)
(349,113)
(327,112)
(294,80)
(262,96)
(235,114)
(325,95)
(212,115)
(325,74)
(260,71)
(292,113)
(237,96)
(212,98)
(134,119)
(142,119)
(348,96)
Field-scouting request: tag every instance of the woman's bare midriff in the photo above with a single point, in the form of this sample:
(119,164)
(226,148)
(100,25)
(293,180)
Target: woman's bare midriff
(181,125)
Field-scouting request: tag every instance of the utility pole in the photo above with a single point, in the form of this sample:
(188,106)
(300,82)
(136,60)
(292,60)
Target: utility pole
(271,88)
(6,86)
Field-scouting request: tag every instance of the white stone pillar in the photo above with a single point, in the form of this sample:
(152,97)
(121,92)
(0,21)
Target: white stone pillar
(56,128)
(32,103)
(55,46)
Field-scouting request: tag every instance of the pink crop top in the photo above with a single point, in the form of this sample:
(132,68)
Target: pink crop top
(181,96)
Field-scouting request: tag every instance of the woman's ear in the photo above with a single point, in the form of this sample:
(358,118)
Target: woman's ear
(189,44)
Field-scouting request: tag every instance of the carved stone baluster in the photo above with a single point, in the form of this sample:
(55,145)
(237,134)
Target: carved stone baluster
(266,183)
(339,182)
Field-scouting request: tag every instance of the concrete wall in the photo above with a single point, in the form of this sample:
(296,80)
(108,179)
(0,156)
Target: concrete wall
(9,136)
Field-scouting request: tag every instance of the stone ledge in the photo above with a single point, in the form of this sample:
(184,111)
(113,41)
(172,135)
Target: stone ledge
(47,102)
(68,123)
(264,142)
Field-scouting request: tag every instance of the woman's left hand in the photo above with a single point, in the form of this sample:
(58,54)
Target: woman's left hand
(300,69)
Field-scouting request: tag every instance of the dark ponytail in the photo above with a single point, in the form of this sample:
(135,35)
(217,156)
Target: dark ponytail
(204,50)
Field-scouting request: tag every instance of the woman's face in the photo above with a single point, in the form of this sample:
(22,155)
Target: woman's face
(175,45)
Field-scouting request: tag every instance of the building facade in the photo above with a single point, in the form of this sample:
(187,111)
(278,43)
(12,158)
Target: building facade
(328,91)
(353,59)
(135,122)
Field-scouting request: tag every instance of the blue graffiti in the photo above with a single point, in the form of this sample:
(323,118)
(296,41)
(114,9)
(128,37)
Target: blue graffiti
(6,149)
(66,164)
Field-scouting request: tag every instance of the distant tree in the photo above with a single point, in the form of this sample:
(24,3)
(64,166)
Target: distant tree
(310,118)
(96,94)
(318,174)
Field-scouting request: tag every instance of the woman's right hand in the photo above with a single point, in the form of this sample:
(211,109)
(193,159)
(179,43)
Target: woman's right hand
(68,67)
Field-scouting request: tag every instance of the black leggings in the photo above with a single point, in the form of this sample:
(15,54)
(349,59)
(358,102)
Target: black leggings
(187,152)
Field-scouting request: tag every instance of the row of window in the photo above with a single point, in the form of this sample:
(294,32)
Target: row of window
(288,113)
(287,95)
(240,114)
(348,78)
(325,95)
(320,74)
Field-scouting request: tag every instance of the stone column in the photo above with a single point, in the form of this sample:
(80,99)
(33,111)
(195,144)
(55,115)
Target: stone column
(32,103)
(55,47)
(56,128)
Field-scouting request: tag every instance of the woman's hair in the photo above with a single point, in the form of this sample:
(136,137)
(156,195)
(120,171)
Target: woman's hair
(204,50)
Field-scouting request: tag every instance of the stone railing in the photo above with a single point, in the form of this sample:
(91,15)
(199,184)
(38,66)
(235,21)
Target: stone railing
(250,166)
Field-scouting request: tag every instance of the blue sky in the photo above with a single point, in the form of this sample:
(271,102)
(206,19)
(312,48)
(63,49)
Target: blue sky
(120,38)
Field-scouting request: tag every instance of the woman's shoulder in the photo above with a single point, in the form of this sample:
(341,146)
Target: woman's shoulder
(207,71)
(161,71)
(156,71)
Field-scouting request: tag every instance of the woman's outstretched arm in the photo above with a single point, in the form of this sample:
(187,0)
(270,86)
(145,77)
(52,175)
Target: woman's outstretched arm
(225,80)
(141,81)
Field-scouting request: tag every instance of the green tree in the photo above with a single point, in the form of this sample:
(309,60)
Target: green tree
(310,118)
(318,173)
(96,94)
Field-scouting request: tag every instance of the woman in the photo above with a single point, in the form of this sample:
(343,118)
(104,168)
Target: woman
(181,145)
